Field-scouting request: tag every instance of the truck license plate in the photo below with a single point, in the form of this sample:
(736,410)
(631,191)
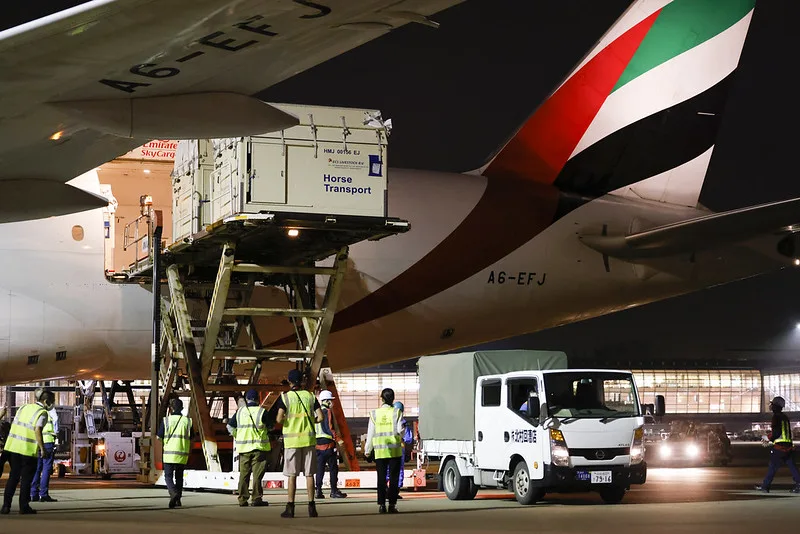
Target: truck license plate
(601,477)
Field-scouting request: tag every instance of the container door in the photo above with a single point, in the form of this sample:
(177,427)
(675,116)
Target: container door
(489,439)
(267,181)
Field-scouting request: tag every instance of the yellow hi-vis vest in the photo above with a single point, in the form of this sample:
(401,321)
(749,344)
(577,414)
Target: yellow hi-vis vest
(386,441)
(298,428)
(251,432)
(318,426)
(177,439)
(22,436)
(49,432)
(786,433)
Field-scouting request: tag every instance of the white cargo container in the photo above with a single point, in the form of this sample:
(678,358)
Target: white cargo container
(333,163)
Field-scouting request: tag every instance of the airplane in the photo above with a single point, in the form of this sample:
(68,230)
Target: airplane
(590,207)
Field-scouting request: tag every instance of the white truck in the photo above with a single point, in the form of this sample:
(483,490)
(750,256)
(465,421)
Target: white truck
(521,420)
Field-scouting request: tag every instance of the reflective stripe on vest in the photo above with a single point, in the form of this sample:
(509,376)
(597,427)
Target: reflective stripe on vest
(251,433)
(386,441)
(177,442)
(22,435)
(48,432)
(298,429)
(786,433)
(321,433)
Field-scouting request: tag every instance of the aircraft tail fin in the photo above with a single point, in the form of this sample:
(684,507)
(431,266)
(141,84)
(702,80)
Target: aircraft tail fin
(639,115)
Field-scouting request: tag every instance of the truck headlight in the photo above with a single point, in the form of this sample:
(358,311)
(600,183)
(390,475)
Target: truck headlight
(637,448)
(692,450)
(559,453)
(665,451)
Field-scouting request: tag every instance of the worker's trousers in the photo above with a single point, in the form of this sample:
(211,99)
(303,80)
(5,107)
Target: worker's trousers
(392,466)
(776,459)
(252,463)
(173,476)
(22,470)
(328,458)
(40,486)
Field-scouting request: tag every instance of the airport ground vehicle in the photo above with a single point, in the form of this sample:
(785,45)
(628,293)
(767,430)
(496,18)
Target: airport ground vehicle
(691,443)
(522,420)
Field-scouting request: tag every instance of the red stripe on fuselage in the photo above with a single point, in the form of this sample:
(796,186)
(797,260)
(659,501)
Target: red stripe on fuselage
(540,149)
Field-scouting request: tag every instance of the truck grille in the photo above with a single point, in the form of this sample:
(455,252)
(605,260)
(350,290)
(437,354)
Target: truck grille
(600,454)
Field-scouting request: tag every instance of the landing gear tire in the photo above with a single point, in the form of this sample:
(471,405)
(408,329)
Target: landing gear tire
(612,495)
(524,490)
(456,487)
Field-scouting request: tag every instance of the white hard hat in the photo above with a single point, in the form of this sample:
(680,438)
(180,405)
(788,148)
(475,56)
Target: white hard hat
(325,395)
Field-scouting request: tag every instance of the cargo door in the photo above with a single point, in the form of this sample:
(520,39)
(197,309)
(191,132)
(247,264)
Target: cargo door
(267,180)
(490,444)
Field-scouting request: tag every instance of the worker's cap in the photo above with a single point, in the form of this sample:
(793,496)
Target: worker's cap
(295,376)
(779,401)
(251,395)
(325,395)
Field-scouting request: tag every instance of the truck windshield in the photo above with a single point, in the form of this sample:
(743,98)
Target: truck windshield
(591,394)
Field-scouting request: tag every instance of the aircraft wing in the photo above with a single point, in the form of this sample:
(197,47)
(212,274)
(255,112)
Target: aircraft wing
(710,231)
(90,83)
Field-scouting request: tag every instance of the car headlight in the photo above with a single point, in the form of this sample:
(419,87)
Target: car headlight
(637,448)
(559,453)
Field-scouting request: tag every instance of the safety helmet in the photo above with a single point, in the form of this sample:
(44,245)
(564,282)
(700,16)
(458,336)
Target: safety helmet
(325,395)
(399,405)
(779,401)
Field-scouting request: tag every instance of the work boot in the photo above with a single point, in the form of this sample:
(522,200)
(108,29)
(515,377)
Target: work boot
(393,509)
(172,501)
(312,509)
(382,509)
(795,489)
(762,489)
(47,498)
(289,512)
(259,502)
(243,504)
(34,498)
(178,503)
(26,511)
(336,494)
(320,495)
(5,510)
(399,496)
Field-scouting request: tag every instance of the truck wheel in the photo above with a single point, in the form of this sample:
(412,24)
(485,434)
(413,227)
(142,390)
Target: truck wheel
(455,486)
(612,495)
(524,490)
(473,490)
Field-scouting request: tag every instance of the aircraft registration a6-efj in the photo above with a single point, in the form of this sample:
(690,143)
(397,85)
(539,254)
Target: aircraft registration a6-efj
(590,207)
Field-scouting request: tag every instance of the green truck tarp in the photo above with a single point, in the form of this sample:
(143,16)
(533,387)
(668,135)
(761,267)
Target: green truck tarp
(447,386)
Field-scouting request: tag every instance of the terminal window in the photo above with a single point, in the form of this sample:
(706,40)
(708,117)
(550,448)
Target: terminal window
(702,391)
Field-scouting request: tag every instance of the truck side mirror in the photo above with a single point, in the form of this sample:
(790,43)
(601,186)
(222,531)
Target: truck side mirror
(661,406)
(534,409)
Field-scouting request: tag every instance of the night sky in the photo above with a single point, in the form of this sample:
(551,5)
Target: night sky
(455,94)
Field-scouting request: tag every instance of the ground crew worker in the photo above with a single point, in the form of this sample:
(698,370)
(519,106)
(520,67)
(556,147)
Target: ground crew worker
(40,486)
(384,444)
(250,428)
(780,439)
(299,411)
(326,448)
(24,441)
(5,427)
(176,433)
